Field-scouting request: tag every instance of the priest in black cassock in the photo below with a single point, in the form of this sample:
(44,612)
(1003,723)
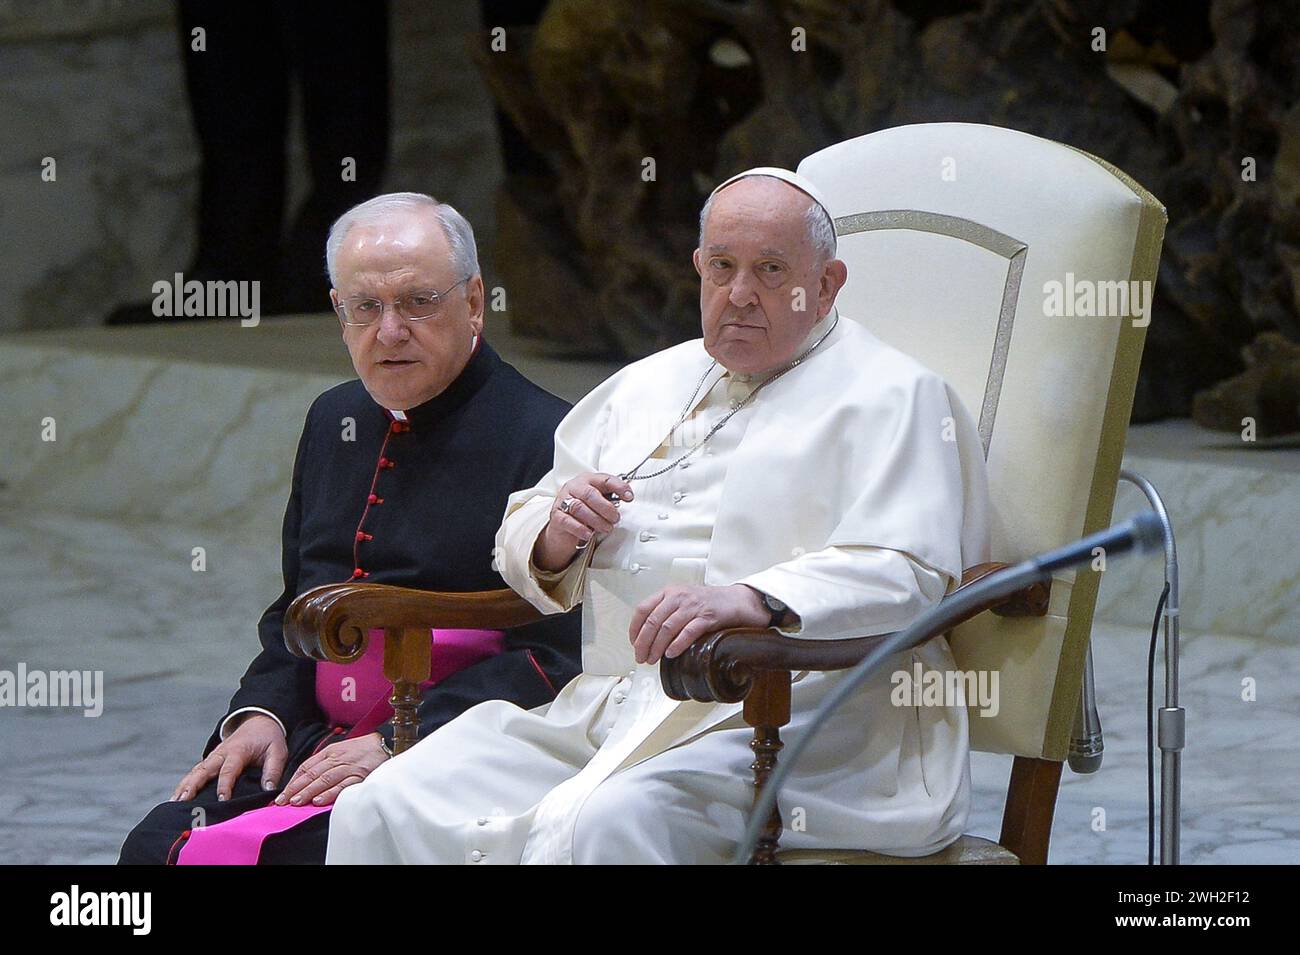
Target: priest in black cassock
(401,478)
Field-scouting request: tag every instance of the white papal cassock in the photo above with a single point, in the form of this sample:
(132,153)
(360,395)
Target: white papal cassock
(853,489)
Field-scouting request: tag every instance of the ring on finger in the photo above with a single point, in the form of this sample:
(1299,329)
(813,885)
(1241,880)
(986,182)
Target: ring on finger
(567,504)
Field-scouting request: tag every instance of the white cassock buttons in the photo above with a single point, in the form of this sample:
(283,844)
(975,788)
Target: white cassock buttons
(663,515)
(646,536)
(635,568)
(684,465)
(476,856)
(620,696)
(482,820)
(677,497)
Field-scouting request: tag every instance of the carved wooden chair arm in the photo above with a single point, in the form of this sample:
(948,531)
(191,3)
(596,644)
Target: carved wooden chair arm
(754,666)
(333,623)
(722,666)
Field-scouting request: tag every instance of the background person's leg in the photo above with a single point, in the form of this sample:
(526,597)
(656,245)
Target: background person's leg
(239,98)
(238,91)
(340,55)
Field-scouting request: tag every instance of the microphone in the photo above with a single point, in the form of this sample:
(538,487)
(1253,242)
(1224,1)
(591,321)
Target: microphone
(1143,532)
(1086,743)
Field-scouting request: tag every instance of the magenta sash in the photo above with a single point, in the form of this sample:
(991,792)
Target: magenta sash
(355,695)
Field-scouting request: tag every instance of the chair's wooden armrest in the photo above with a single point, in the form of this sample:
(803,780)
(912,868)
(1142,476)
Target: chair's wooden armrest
(721,667)
(332,622)
(1030,601)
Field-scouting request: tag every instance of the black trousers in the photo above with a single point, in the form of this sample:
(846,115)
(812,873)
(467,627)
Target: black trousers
(160,835)
(239,88)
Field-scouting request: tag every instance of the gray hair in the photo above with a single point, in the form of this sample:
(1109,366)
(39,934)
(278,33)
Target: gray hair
(817,222)
(459,233)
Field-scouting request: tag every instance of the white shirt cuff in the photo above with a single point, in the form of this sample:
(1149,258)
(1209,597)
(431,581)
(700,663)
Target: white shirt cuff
(226,729)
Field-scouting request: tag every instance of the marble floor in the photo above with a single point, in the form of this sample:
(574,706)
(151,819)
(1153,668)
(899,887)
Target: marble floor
(171,642)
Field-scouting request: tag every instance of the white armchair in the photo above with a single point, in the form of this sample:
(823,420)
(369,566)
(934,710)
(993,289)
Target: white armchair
(1019,269)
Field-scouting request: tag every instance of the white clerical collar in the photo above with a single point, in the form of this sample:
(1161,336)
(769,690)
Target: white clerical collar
(818,330)
(397,415)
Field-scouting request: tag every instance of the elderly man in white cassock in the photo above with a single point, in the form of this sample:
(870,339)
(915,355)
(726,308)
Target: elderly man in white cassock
(789,470)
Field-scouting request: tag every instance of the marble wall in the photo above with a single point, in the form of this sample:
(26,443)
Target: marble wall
(155,440)
(97,85)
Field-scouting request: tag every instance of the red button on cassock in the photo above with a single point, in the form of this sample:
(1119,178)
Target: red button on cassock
(358,572)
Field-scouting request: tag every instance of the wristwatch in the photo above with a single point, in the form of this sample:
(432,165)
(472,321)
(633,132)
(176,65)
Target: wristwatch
(776,608)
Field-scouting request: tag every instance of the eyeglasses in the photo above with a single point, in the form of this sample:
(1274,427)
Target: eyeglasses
(413,306)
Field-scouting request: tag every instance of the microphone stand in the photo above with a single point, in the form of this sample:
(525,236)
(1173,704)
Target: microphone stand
(1172,727)
(1142,532)
(1086,743)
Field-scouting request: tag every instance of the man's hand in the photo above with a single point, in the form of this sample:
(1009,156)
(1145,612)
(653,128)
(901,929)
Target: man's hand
(320,779)
(257,741)
(591,513)
(671,619)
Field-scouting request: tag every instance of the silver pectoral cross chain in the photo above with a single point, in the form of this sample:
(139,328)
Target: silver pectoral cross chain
(632,474)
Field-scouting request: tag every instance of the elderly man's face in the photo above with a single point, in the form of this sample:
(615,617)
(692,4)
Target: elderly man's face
(761,286)
(403,363)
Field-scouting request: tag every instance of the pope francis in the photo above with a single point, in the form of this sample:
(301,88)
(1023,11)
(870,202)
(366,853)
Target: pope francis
(789,470)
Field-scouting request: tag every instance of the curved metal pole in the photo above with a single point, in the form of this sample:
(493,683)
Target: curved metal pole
(1172,726)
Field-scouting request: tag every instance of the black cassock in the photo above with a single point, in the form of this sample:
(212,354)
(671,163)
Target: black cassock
(415,504)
